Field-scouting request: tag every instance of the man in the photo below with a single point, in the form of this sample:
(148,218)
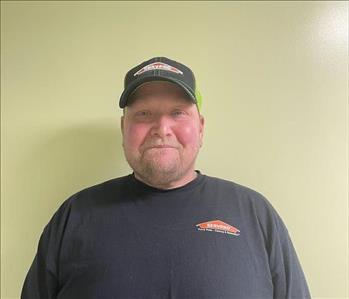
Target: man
(166,230)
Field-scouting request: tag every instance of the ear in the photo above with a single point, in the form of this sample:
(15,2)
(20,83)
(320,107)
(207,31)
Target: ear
(122,119)
(201,128)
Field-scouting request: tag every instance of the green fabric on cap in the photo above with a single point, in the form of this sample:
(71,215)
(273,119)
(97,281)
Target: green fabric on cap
(198,97)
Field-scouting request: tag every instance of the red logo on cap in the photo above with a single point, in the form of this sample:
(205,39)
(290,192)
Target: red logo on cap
(158,66)
(218,226)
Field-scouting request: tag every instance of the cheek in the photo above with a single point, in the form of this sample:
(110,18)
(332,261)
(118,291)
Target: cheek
(134,135)
(188,136)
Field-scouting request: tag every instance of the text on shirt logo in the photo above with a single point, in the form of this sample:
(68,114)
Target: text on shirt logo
(219,227)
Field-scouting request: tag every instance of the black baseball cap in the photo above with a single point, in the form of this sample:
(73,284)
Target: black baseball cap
(160,69)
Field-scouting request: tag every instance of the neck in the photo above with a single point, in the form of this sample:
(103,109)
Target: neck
(168,185)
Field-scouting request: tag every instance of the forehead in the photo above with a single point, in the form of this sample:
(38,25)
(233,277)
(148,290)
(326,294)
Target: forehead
(155,89)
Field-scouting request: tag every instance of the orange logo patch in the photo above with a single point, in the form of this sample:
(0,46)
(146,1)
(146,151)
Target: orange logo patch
(219,227)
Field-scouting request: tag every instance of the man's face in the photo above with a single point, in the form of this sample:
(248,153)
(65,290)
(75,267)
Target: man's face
(162,134)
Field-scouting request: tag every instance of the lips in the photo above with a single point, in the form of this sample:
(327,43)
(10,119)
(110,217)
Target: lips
(158,146)
(162,146)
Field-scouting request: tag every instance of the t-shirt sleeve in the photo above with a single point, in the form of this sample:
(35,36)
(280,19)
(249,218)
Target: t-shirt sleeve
(287,274)
(42,281)
(285,270)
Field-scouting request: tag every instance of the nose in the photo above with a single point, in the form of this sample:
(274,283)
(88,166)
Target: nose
(162,127)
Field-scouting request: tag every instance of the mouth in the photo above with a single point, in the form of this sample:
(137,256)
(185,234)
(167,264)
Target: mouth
(162,146)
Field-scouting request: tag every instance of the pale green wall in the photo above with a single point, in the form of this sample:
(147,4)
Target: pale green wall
(274,80)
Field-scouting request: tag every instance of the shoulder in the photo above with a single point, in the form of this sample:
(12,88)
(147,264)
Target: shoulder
(250,203)
(237,191)
(93,196)
(102,190)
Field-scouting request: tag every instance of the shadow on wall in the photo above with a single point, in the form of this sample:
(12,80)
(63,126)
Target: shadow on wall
(73,158)
(52,167)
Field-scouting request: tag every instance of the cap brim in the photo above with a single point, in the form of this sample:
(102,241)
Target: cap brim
(126,93)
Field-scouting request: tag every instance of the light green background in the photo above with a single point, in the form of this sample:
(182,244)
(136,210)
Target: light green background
(274,81)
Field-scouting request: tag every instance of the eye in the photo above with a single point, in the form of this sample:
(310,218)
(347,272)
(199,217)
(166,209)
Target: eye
(142,113)
(178,113)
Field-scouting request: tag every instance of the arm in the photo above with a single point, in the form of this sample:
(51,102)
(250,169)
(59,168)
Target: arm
(288,277)
(42,280)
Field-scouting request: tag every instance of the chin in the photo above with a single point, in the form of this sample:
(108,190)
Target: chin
(163,169)
(160,170)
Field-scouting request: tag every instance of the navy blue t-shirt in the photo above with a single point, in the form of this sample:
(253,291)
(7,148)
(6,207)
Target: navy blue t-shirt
(209,239)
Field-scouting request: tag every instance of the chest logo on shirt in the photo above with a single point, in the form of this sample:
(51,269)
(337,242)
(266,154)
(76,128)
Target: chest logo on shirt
(218,226)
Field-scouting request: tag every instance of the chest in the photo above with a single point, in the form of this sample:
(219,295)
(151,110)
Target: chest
(123,257)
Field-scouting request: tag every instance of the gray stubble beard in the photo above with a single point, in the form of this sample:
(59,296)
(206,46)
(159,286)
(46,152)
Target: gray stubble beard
(149,173)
